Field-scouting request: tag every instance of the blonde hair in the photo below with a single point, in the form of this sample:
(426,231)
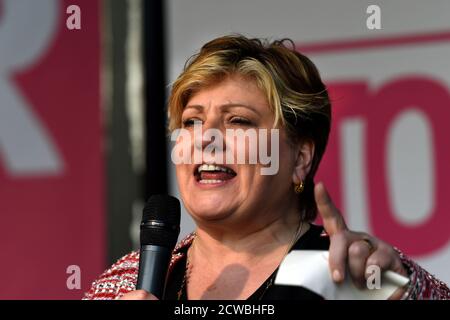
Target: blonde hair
(290,80)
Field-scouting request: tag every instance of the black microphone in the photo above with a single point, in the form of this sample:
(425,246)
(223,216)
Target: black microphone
(160,228)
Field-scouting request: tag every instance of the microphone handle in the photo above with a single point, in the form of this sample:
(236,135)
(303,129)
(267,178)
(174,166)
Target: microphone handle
(153,265)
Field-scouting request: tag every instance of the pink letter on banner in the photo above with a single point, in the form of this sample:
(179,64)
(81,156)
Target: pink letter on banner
(393,98)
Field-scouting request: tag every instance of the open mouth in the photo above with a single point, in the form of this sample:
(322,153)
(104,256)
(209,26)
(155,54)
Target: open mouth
(213,173)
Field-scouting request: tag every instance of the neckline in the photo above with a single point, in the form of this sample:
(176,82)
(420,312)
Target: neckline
(302,243)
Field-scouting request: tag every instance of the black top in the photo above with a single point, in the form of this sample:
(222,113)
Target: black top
(311,240)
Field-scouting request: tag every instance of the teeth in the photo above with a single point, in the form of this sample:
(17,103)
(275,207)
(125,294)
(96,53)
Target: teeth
(212,167)
(210,181)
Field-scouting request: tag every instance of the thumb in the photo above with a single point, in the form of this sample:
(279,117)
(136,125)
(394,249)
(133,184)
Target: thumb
(333,222)
(138,295)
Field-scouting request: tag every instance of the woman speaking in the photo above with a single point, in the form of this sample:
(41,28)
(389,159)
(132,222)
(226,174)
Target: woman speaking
(247,221)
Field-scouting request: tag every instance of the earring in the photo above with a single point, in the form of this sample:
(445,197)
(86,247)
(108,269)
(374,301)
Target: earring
(299,187)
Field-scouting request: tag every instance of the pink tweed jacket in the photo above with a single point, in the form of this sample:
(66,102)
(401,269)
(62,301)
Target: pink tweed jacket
(121,278)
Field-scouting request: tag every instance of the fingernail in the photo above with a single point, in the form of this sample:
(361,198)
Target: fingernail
(337,277)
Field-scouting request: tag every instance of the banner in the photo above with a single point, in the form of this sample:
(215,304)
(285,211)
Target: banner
(52,236)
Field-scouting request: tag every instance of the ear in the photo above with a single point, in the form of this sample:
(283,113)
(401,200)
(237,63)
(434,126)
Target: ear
(303,161)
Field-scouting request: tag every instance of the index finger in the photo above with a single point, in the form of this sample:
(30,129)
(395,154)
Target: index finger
(333,222)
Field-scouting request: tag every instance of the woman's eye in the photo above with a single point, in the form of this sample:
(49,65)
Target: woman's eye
(241,121)
(191,122)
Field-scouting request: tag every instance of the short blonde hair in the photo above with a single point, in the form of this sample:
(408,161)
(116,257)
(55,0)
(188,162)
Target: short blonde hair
(290,80)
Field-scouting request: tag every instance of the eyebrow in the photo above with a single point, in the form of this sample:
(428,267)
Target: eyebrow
(225,106)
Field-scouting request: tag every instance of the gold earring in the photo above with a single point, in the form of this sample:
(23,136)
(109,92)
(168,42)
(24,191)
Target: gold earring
(299,187)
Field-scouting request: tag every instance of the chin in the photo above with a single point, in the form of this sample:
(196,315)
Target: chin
(210,209)
(210,216)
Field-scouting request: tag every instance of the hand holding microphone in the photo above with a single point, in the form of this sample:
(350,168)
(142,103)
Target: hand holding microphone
(160,228)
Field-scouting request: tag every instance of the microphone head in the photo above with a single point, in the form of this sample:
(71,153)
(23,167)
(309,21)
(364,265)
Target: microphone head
(160,224)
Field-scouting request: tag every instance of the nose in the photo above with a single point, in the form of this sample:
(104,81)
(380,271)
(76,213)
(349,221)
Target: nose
(210,133)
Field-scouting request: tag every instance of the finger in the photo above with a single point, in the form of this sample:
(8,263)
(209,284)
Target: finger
(380,259)
(398,294)
(386,258)
(138,295)
(338,256)
(397,264)
(358,252)
(333,222)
